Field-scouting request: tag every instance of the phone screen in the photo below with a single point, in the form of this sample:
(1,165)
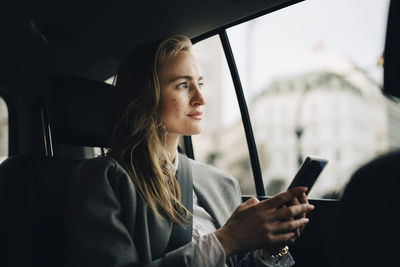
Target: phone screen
(309,172)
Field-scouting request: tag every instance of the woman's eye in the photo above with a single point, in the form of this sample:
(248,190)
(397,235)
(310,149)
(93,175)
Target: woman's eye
(200,84)
(182,85)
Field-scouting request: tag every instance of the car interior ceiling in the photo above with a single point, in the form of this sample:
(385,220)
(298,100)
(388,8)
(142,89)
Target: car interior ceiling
(87,38)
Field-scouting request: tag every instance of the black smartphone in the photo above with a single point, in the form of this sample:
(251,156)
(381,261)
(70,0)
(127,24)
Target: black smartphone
(308,173)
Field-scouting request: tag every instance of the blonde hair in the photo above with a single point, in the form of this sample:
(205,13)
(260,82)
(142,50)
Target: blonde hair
(137,132)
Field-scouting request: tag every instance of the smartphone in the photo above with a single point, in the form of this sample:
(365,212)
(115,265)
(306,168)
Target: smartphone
(308,173)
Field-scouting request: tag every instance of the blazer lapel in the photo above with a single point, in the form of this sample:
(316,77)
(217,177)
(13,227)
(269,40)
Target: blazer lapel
(206,201)
(182,234)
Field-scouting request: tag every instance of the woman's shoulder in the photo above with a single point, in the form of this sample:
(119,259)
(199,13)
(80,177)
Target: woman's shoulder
(100,172)
(99,165)
(101,187)
(206,168)
(208,174)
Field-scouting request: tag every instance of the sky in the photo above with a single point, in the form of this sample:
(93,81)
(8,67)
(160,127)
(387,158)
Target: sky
(283,43)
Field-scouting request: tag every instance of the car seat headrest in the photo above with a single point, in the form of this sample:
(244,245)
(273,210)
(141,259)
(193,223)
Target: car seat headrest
(77,111)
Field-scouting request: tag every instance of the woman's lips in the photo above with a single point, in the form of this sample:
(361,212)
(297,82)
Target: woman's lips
(195,115)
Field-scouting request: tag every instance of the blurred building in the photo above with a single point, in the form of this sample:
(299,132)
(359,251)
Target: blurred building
(337,112)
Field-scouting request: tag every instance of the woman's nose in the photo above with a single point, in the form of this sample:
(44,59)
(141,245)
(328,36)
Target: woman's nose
(197,97)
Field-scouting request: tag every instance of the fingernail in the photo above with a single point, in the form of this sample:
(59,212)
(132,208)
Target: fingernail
(305,220)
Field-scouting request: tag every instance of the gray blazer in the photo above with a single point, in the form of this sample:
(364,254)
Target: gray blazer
(109,224)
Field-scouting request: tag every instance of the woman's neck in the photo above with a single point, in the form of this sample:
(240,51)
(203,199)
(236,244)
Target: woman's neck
(171,145)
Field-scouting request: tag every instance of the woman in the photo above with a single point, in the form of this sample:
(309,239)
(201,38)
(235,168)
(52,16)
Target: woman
(147,205)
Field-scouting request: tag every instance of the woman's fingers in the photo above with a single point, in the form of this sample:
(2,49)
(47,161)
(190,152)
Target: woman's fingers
(282,198)
(303,199)
(287,213)
(291,219)
(295,201)
(250,202)
(289,226)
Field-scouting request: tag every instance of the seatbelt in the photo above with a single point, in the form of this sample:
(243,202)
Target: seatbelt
(182,233)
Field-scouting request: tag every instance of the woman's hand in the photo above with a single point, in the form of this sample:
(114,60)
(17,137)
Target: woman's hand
(267,224)
(302,199)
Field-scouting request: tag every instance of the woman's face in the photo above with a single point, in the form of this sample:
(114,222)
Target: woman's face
(182,99)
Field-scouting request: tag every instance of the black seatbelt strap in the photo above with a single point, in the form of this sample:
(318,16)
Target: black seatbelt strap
(182,233)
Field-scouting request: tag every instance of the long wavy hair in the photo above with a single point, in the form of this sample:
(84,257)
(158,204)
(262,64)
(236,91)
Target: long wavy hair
(137,141)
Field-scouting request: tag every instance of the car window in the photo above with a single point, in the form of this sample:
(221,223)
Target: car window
(3,130)
(312,75)
(222,142)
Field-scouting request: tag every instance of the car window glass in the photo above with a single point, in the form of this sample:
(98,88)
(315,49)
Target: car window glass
(222,142)
(312,76)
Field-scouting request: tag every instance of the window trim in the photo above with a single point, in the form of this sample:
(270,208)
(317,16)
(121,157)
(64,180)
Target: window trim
(12,125)
(251,143)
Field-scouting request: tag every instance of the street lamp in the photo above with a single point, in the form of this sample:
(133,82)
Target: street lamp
(299,132)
